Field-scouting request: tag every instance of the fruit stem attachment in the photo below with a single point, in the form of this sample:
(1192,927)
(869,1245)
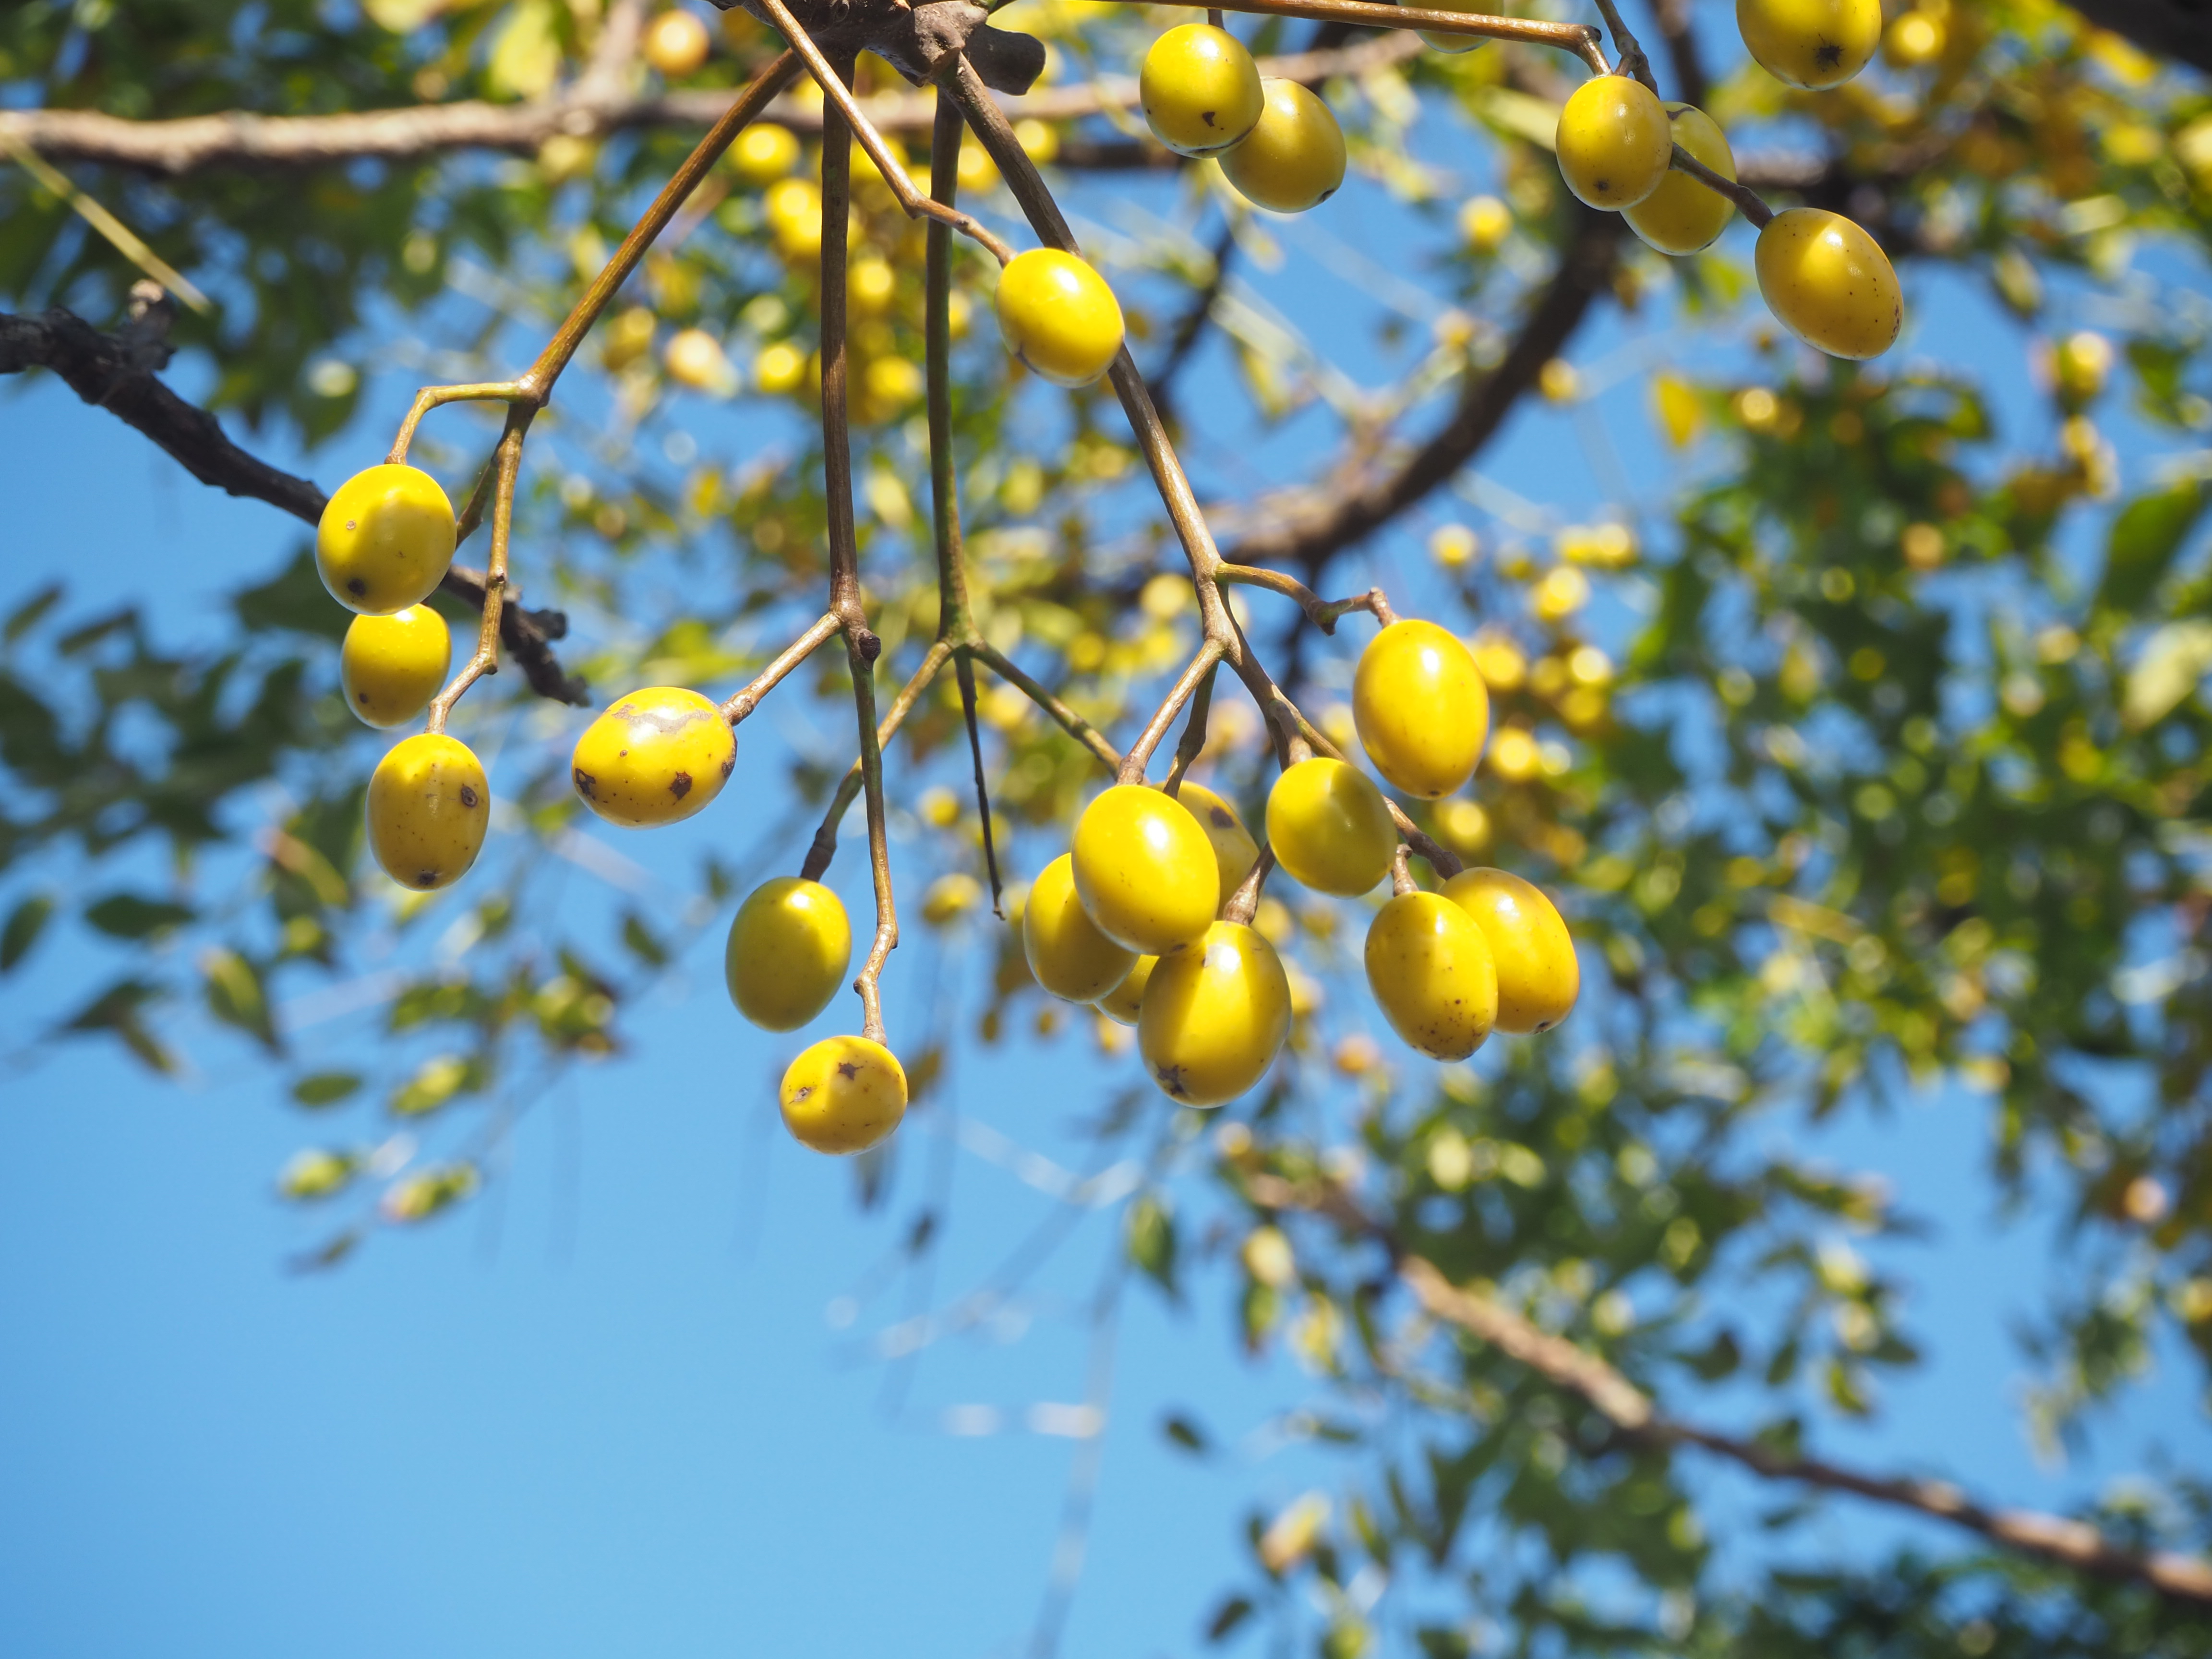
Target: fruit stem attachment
(1748,201)
(1194,735)
(824,847)
(436,396)
(507,463)
(1401,873)
(1579,38)
(1200,672)
(1322,613)
(1632,60)
(1245,902)
(736,708)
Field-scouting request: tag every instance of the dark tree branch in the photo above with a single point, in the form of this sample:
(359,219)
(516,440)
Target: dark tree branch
(1190,327)
(2170,29)
(1683,54)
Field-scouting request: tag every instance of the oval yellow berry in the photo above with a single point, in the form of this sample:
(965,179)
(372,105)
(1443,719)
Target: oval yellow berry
(764,153)
(1235,852)
(1069,956)
(1829,283)
(1293,158)
(1814,44)
(1614,141)
(1421,708)
(384,539)
(1429,964)
(1144,869)
(1329,827)
(1538,975)
(843,1095)
(789,946)
(1059,316)
(1685,214)
(1199,89)
(656,757)
(1215,1015)
(428,806)
(675,43)
(1126,1001)
(391,666)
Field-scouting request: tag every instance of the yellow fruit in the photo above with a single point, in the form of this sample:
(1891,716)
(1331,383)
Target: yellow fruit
(1614,141)
(1235,852)
(779,368)
(843,1095)
(1214,1016)
(391,666)
(1829,283)
(1914,39)
(428,806)
(1199,89)
(1329,827)
(1421,708)
(694,358)
(1293,158)
(384,539)
(1486,223)
(788,949)
(1429,966)
(1684,215)
(1126,1001)
(1059,316)
(1538,975)
(657,755)
(1144,869)
(764,153)
(1069,956)
(675,43)
(871,285)
(979,175)
(794,209)
(2081,365)
(1814,44)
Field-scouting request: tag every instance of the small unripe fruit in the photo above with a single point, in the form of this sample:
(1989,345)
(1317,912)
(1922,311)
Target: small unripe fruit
(656,757)
(391,666)
(789,946)
(1421,709)
(384,539)
(1829,283)
(1069,956)
(843,1095)
(2081,365)
(675,43)
(764,153)
(1215,1015)
(428,806)
(1538,975)
(1614,141)
(1685,214)
(1126,1001)
(1330,827)
(1813,44)
(1235,852)
(1199,89)
(1293,158)
(1144,869)
(1429,964)
(1059,316)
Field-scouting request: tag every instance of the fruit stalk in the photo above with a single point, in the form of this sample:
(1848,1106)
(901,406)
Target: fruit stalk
(1580,39)
(1193,734)
(1748,202)
(506,463)
(1241,905)
(824,847)
(1200,671)
(736,708)
(1632,60)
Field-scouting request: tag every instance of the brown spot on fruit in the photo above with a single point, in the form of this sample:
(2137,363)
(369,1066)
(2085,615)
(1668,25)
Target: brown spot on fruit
(1828,54)
(360,696)
(802,1091)
(848,1068)
(680,785)
(356,586)
(1221,816)
(729,765)
(1207,116)
(587,785)
(1171,1080)
(426,877)
(350,524)
(468,794)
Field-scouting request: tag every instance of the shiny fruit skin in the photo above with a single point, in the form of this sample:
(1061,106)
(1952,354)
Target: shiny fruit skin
(1614,142)
(1069,956)
(428,806)
(789,946)
(1429,966)
(656,757)
(1144,869)
(1829,283)
(1329,827)
(1421,707)
(1059,316)
(1199,89)
(384,539)
(1215,1015)
(1813,44)
(1235,852)
(843,1095)
(391,666)
(1293,158)
(1126,1001)
(1538,975)
(1684,214)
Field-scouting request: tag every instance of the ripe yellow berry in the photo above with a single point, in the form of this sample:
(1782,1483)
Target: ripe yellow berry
(675,43)
(1486,223)
(657,755)
(1199,89)
(1614,141)
(1421,709)
(793,210)
(1126,1001)
(1329,827)
(788,949)
(1059,316)
(1144,869)
(1814,44)
(1069,956)
(428,806)
(1684,214)
(2081,365)
(1829,283)
(391,666)
(1429,966)
(384,539)
(1914,39)
(764,153)
(694,358)
(1293,158)
(1235,852)
(843,1095)
(1215,1015)
(779,368)
(1538,975)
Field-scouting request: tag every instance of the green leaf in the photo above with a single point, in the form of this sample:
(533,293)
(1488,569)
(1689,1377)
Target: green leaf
(643,943)
(294,600)
(2145,537)
(326,1088)
(437,1082)
(1227,1617)
(25,616)
(236,996)
(127,915)
(118,1011)
(1185,1434)
(25,923)
(1152,1240)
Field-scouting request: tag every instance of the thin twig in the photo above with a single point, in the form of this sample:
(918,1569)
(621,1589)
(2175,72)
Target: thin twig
(1322,613)
(823,848)
(1200,671)
(1030,687)
(484,660)
(1748,201)
(735,708)
(1193,735)
(964,670)
(1625,46)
